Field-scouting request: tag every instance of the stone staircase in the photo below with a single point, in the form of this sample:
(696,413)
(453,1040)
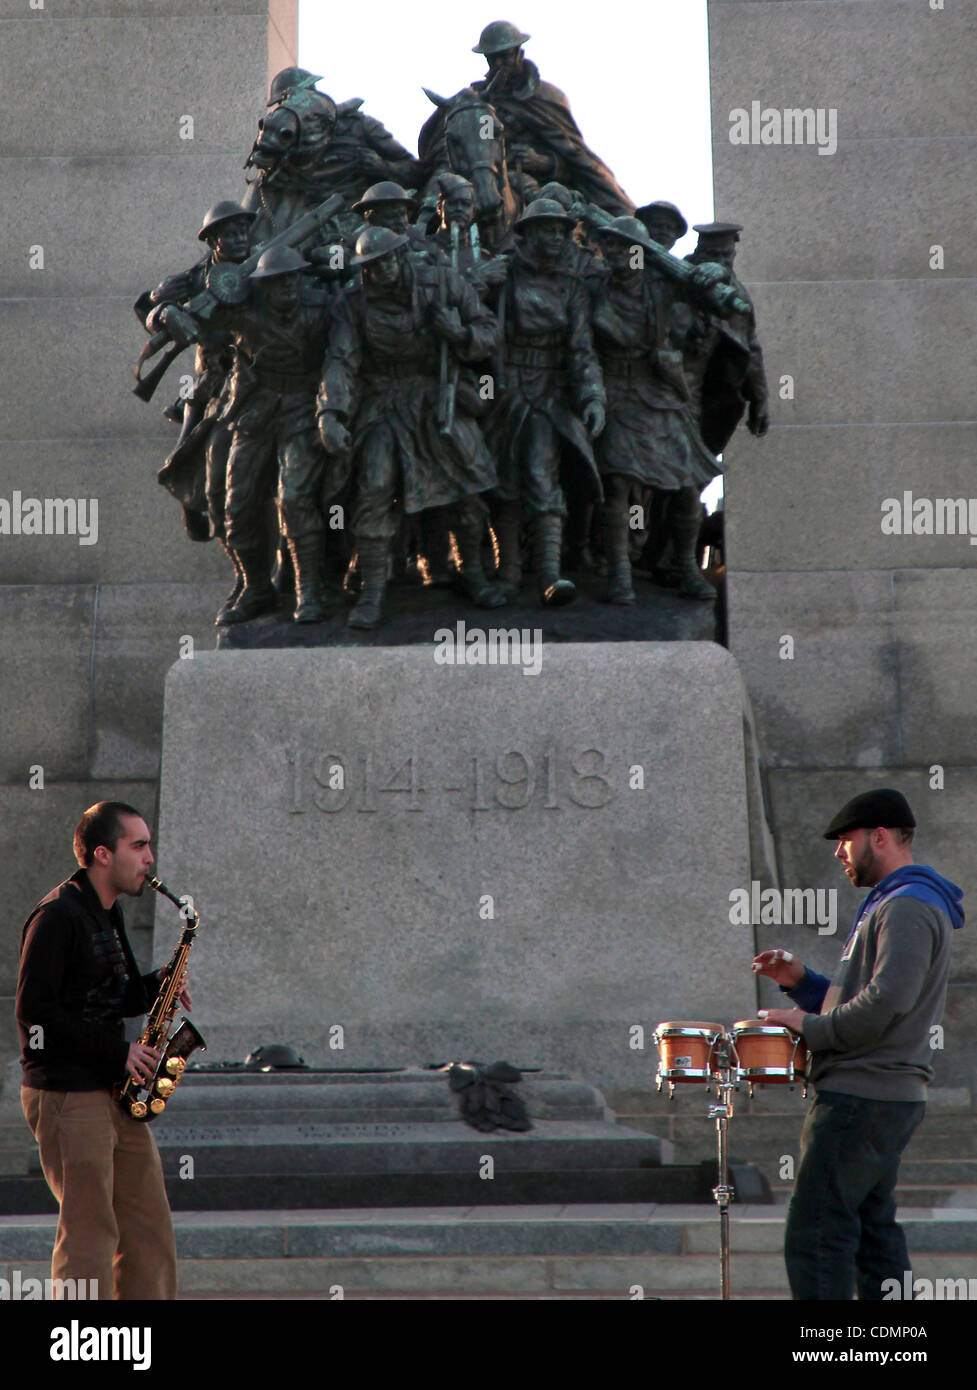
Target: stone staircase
(527,1252)
(538,1249)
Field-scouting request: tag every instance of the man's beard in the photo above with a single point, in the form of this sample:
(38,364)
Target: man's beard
(865,867)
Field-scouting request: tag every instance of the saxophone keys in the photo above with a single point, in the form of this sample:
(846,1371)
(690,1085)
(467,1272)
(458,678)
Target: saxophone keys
(157,1106)
(176,1066)
(137,1109)
(164,1086)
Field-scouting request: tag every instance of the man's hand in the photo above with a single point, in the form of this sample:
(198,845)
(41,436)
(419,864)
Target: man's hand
(784,1018)
(372,163)
(142,1061)
(333,433)
(593,418)
(525,158)
(184,992)
(705,276)
(184,995)
(177,287)
(447,323)
(780,966)
(181,327)
(492,272)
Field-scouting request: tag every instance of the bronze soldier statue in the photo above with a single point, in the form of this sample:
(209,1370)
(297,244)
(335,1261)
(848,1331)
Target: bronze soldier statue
(723,366)
(724,361)
(582,254)
(194,471)
(457,236)
(550,401)
(650,438)
(387,204)
(279,334)
(542,138)
(663,223)
(383,398)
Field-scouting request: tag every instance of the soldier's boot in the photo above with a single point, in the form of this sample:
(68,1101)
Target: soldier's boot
(656,557)
(235,593)
(373,560)
(468,525)
(351,579)
(310,599)
(283,572)
(258,596)
(686,519)
(434,548)
(619,587)
(507,525)
(579,553)
(554,591)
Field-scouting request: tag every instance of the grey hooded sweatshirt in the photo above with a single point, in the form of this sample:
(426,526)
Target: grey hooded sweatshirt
(877,1027)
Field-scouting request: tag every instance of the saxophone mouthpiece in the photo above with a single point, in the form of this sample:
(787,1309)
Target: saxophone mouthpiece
(158,886)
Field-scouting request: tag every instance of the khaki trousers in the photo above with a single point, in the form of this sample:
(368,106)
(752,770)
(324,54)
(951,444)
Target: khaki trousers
(105,1171)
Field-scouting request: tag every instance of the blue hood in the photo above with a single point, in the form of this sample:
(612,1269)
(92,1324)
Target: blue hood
(921,882)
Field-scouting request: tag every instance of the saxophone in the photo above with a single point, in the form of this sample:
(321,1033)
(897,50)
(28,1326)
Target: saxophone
(144,1100)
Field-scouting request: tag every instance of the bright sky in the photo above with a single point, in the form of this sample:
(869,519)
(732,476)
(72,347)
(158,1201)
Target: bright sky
(637,80)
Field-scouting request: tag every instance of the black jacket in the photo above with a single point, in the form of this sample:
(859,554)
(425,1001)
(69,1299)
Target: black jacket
(78,981)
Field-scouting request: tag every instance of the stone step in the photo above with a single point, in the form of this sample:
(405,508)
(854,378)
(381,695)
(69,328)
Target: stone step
(552,1145)
(405,1095)
(294,1191)
(937,1171)
(546,1251)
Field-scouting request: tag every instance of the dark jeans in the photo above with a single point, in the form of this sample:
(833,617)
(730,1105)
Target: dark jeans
(841,1224)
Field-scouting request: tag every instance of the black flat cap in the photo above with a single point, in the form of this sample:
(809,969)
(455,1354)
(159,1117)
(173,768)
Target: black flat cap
(884,807)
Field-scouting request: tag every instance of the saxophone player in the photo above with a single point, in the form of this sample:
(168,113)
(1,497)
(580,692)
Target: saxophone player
(78,981)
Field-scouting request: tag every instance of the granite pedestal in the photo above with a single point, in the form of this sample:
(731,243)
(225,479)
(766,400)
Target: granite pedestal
(403,862)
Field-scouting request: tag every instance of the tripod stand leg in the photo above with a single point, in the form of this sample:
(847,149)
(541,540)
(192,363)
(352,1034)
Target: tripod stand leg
(722,1192)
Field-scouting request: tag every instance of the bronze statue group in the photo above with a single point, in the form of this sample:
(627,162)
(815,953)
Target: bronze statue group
(475,362)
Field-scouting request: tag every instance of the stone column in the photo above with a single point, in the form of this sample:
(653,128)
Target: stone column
(862,263)
(124,120)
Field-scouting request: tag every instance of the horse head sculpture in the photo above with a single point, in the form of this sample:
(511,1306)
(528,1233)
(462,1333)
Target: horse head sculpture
(466,136)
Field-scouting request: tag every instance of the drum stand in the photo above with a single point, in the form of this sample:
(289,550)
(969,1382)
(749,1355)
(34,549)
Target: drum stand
(722,1113)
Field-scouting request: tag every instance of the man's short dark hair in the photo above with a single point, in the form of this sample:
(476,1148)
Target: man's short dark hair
(903,833)
(100,825)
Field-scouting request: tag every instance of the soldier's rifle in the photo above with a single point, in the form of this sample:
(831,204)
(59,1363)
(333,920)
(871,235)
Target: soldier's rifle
(227,286)
(448,383)
(721,299)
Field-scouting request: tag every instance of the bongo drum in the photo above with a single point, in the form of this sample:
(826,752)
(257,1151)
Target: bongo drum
(766,1054)
(685,1050)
